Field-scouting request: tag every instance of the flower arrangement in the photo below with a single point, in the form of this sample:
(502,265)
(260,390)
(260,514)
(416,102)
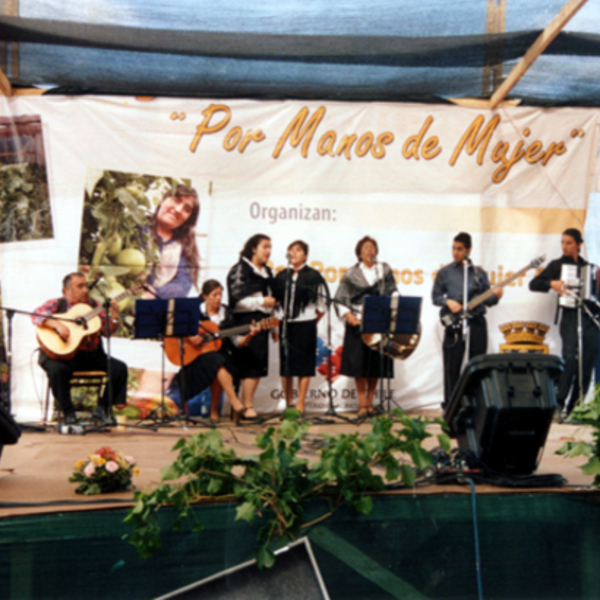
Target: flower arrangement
(103,472)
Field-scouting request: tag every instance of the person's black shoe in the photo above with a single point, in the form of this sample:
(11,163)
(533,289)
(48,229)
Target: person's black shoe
(70,418)
(100,414)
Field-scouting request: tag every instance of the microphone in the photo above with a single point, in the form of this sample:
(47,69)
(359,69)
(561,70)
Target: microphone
(94,283)
(288,256)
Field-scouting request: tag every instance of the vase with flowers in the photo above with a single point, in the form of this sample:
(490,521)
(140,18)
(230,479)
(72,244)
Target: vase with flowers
(104,472)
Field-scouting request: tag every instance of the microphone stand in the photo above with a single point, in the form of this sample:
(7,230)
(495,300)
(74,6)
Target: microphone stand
(465,319)
(109,383)
(388,338)
(284,330)
(331,414)
(575,293)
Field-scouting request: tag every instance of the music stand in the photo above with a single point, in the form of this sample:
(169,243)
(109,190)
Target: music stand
(387,317)
(158,319)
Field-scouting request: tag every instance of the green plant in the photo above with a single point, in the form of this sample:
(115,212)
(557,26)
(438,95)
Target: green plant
(276,484)
(586,414)
(24,203)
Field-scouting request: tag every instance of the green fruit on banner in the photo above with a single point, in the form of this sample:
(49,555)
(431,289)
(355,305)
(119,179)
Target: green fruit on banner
(112,289)
(132,258)
(115,245)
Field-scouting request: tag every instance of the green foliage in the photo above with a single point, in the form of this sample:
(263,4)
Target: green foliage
(24,203)
(586,414)
(275,485)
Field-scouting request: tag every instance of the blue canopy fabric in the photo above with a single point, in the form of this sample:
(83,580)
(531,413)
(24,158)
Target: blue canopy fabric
(348,50)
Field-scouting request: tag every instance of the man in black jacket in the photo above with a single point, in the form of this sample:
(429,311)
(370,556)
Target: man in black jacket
(448,293)
(553,278)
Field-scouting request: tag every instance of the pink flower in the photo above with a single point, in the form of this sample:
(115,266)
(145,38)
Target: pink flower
(111,466)
(89,469)
(129,459)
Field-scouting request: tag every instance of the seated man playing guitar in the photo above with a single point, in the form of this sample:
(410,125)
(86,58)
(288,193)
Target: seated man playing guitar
(60,357)
(448,293)
(207,361)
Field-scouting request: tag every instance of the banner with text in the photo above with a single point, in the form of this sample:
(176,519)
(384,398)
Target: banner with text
(82,180)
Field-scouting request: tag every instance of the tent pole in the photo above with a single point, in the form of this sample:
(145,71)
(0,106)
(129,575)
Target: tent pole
(5,86)
(541,43)
(495,22)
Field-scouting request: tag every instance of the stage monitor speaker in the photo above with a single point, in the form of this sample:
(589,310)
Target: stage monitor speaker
(295,576)
(9,430)
(502,408)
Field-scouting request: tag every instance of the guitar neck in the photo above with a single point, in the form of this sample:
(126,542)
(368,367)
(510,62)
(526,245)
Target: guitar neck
(264,324)
(233,331)
(483,297)
(99,309)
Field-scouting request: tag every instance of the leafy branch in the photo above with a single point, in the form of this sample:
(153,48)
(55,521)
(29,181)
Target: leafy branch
(586,414)
(277,484)
(24,203)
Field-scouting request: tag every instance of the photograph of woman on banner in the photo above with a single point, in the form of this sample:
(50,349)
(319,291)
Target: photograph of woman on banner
(173,229)
(367,278)
(303,290)
(138,228)
(214,369)
(250,287)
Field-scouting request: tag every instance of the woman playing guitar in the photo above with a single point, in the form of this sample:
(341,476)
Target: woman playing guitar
(214,369)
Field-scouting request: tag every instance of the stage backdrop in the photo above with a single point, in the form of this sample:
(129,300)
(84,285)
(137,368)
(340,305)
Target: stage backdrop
(81,172)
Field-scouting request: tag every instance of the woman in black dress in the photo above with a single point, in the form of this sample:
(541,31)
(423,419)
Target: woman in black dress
(250,286)
(215,369)
(306,295)
(367,278)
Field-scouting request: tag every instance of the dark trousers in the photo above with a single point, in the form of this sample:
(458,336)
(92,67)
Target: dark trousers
(569,381)
(454,350)
(60,372)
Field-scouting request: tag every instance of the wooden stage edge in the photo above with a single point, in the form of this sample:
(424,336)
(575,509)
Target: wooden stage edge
(34,472)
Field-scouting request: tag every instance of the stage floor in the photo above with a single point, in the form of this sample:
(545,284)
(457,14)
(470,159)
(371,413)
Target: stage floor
(34,473)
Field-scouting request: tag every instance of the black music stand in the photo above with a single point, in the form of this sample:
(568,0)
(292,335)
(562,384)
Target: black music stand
(158,319)
(389,316)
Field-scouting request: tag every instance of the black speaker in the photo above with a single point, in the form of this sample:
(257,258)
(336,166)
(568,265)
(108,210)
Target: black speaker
(502,408)
(9,430)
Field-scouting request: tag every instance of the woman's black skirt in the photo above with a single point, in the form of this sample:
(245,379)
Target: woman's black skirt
(358,360)
(302,349)
(252,360)
(200,373)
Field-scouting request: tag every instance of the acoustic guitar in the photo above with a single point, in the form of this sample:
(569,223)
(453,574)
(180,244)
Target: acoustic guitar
(84,321)
(212,340)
